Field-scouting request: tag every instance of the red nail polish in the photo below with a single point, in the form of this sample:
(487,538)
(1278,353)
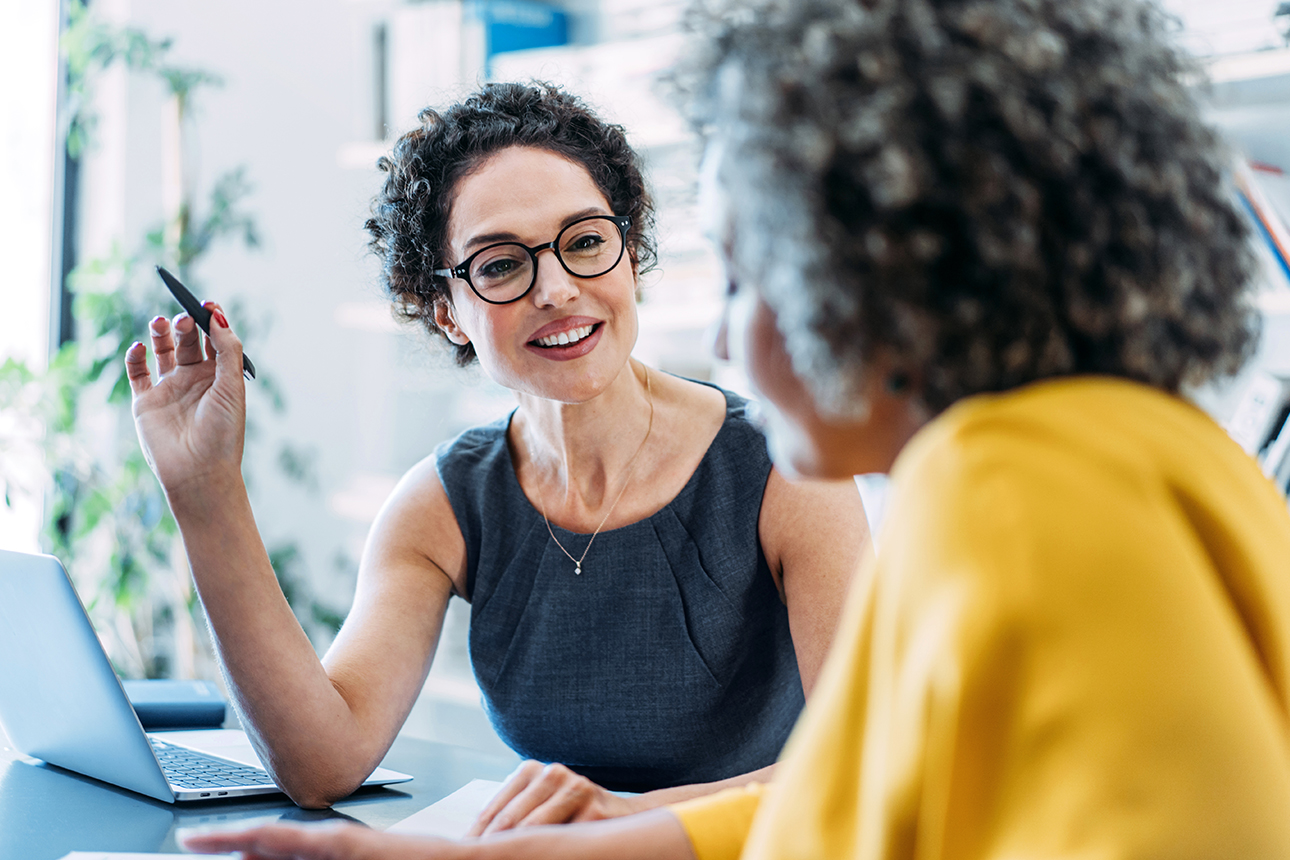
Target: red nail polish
(219,318)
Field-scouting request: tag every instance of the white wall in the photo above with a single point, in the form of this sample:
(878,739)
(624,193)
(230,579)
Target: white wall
(1228,27)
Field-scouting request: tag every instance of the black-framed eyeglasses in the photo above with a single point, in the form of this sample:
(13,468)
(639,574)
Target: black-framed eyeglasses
(505,272)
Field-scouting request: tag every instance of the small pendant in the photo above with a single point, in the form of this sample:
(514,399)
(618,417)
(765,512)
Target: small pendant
(577,568)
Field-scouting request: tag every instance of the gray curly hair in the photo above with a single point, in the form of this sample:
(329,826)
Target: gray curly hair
(983,193)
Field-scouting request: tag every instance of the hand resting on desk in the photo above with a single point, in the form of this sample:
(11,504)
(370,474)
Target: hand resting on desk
(553,794)
(548,794)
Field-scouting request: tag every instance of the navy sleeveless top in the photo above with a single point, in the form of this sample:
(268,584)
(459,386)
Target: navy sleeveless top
(668,660)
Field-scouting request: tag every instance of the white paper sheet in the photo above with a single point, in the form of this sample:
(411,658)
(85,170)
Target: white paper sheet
(451,817)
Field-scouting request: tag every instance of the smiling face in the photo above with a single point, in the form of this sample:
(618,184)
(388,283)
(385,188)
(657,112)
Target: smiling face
(569,337)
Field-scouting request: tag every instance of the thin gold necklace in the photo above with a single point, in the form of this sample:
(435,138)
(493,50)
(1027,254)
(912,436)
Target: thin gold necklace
(577,562)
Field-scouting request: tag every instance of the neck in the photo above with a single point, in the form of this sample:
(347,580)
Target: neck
(581,451)
(845,448)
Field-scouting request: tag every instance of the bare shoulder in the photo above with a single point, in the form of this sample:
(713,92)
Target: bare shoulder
(687,417)
(689,413)
(417,528)
(702,404)
(803,519)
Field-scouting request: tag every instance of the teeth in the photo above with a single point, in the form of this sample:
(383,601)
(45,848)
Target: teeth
(566,337)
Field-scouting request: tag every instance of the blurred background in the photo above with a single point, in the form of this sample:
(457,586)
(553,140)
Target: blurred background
(235,143)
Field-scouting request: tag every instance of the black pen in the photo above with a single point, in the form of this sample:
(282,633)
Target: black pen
(200,315)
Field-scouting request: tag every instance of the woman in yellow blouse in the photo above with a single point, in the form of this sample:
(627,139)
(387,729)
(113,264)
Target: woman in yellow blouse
(985,245)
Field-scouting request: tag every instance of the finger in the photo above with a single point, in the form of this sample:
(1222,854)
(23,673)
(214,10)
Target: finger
(136,368)
(538,792)
(163,344)
(206,341)
(564,806)
(188,340)
(515,783)
(225,347)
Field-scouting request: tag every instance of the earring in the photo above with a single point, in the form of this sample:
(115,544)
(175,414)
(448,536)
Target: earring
(897,382)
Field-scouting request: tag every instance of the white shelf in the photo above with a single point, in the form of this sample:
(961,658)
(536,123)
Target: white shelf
(1249,67)
(1273,303)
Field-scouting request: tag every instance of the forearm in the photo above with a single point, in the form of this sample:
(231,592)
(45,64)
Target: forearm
(295,717)
(664,796)
(652,835)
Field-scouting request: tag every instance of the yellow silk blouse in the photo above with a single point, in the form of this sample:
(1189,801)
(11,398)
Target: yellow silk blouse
(1074,642)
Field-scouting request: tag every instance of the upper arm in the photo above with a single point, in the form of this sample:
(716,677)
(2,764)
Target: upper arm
(413,562)
(813,534)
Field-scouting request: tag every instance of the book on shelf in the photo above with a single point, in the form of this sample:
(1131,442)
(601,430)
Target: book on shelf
(1264,192)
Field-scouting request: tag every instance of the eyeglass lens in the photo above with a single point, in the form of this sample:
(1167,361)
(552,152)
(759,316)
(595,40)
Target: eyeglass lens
(587,248)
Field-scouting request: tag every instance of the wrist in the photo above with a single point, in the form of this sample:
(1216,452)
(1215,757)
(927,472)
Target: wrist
(632,804)
(204,495)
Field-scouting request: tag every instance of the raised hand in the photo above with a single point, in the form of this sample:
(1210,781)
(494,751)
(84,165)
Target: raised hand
(191,418)
(547,794)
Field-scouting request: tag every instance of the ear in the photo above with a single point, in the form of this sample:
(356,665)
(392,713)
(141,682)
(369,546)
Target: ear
(447,322)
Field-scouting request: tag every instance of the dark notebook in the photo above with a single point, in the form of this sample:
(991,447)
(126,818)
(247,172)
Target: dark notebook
(163,704)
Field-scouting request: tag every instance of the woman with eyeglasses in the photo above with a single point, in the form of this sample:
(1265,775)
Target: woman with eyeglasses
(650,599)
(987,246)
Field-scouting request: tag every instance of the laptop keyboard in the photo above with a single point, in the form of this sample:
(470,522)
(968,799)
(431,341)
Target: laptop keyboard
(186,768)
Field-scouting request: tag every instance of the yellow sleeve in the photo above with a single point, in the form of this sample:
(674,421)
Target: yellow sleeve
(1071,646)
(718,824)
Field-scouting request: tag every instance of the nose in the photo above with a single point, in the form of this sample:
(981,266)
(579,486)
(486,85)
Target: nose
(554,286)
(718,333)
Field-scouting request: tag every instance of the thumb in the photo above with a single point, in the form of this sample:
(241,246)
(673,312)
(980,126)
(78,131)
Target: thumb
(226,344)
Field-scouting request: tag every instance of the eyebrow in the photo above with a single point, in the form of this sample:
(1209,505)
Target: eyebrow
(490,238)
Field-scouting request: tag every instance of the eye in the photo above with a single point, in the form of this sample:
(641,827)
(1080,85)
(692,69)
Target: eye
(585,242)
(496,268)
(499,263)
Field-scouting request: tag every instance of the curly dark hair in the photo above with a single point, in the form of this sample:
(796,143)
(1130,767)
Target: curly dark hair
(983,192)
(410,215)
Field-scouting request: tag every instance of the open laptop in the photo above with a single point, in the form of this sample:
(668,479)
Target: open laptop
(61,701)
